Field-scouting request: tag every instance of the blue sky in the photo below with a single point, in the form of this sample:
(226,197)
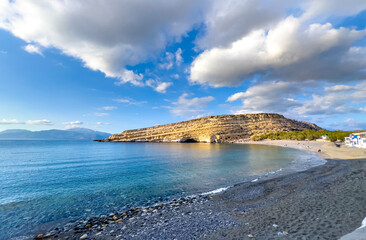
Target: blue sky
(121,65)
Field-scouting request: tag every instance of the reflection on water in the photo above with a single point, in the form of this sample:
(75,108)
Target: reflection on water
(53,181)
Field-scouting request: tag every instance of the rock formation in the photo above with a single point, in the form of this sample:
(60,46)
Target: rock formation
(223,128)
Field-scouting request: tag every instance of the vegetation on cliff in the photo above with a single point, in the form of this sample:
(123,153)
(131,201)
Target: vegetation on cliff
(305,134)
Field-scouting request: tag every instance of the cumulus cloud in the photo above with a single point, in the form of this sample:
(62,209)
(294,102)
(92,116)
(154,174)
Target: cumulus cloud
(289,50)
(129,76)
(73,124)
(194,107)
(336,99)
(106,36)
(160,87)
(33,49)
(228,21)
(316,8)
(271,97)
(288,98)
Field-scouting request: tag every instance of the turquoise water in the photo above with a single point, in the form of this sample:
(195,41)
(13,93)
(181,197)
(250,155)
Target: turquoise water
(45,183)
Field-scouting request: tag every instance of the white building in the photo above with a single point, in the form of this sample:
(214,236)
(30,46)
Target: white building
(356,140)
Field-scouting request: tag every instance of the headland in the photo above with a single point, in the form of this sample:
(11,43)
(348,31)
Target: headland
(214,129)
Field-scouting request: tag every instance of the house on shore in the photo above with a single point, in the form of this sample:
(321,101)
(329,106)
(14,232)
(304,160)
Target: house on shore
(356,140)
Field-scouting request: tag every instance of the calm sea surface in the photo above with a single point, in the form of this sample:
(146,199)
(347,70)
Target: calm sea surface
(45,183)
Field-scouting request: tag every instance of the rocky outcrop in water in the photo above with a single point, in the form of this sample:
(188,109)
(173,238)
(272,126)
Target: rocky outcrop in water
(223,128)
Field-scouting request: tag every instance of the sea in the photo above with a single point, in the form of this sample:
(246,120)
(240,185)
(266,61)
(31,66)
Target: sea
(48,183)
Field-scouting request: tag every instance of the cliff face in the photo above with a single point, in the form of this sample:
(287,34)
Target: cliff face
(223,128)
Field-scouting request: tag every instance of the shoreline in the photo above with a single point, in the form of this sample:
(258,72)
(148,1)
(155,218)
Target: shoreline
(212,215)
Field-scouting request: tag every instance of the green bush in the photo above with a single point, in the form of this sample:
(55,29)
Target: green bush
(305,134)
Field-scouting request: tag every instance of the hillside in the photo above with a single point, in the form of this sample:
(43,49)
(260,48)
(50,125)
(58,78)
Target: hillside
(56,134)
(223,128)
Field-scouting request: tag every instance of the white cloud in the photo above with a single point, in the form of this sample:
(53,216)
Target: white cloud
(40,122)
(101,114)
(175,76)
(108,108)
(349,124)
(10,121)
(228,21)
(73,124)
(335,100)
(160,87)
(269,97)
(178,57)
(288,98)
(193,107)
(99,124)
(29,122)
(130,101)
(33,49)
(317,8)
(129,76)
(106,36)
(171,58)
(338,88)
(289,50)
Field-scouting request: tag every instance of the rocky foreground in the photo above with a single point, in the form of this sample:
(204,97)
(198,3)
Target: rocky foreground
(324,202)
(223,128)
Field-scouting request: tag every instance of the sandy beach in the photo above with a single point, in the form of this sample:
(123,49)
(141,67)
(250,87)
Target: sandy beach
(324,202)
(328,150)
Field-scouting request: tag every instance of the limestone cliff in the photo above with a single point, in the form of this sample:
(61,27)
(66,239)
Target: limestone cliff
(223,128)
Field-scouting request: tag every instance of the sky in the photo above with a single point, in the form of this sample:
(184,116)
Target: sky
(124,64)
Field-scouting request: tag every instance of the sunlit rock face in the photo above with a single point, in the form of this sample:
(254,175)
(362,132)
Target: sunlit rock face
(223,128)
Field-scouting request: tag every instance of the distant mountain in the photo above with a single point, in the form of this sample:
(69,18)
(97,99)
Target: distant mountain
(70,134)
